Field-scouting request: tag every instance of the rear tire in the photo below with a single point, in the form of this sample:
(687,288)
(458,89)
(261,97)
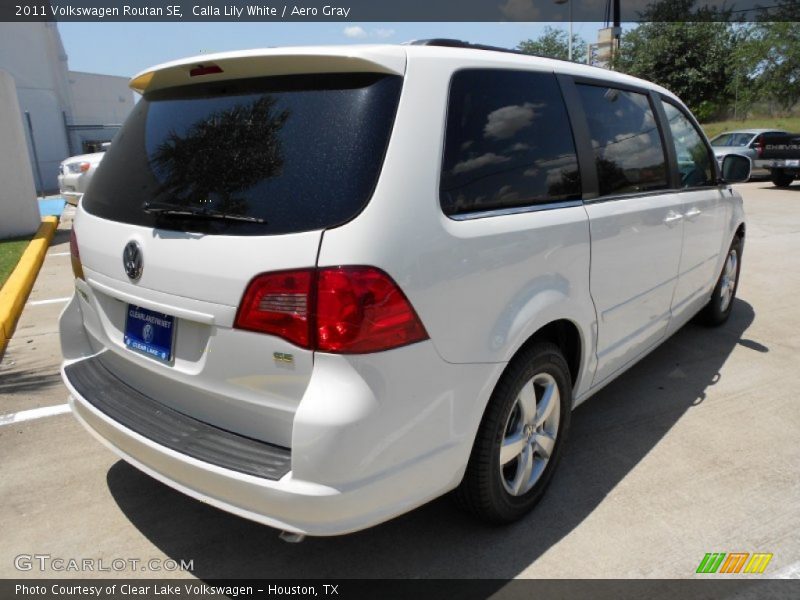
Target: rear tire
(521,437)
(781,178)
(719,307)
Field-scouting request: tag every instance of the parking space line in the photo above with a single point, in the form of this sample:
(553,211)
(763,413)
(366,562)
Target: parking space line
(59,254)
(34,413)
(50,301)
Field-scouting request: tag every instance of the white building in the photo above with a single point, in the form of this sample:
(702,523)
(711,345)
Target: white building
(63,112)
(100,103)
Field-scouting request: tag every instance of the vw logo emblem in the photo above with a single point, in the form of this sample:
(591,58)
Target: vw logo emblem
(132,260)
(529,431)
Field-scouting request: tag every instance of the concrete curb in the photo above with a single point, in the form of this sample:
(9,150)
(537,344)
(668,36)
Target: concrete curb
(16,289)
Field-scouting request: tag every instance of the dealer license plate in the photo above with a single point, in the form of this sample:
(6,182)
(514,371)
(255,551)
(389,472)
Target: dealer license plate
(149,332)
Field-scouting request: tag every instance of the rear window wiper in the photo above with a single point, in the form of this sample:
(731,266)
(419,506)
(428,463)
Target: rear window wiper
(165,208)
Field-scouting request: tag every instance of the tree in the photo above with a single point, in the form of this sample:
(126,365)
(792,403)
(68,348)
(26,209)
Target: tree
(770,57)
(553,43)
(692,59)
(224,153)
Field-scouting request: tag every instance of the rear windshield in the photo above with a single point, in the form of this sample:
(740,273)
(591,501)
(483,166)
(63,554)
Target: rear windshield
(300,152)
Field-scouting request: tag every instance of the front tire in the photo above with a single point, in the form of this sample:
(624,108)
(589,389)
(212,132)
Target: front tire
(719,307)
(521,437)
(781,178)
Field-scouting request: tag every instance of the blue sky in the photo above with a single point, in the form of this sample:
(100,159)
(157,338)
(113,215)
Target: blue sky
(127,48)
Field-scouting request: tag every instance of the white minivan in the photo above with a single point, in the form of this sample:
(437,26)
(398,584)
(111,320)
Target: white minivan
(318,287)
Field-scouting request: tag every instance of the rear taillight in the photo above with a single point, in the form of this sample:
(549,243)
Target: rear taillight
(344,310)
(279,303)
(85,166)
(75,255)
(759,146)
(360,310)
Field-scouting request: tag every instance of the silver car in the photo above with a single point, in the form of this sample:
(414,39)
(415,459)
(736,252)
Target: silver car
(75,173)
(741,141)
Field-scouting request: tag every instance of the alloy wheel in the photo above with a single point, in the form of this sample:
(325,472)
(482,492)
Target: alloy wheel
(530,434)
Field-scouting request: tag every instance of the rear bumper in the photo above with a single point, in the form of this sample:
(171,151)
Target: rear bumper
(288,504)
(778,163)
(362,450)
(95,384)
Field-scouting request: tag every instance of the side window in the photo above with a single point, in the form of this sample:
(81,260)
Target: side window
(694,162)
(625,140)
(508,143)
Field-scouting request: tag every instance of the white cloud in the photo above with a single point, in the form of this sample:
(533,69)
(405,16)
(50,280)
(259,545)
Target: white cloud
(354,31)
(506,194)
(358,32)
(505,122)
(490,158)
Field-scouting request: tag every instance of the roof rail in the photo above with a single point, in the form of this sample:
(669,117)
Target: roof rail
(451,43)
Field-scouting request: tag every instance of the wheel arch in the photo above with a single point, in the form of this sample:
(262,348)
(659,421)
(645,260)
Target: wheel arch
(565,334)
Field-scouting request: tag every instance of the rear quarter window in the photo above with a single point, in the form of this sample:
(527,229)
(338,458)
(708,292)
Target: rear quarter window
(508,143)
(300,152)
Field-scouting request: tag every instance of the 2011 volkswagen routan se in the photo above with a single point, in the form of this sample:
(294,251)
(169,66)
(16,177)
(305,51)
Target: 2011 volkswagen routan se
(318,287)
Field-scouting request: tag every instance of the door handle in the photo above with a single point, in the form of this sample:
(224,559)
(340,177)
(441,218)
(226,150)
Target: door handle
(672,218)
(692,214)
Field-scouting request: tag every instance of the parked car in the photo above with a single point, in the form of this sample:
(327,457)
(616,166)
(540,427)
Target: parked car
(318,287)
(75,173)
(741,141)
(779,153)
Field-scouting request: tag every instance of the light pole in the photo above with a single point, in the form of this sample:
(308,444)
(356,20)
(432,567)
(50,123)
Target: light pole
(569,43)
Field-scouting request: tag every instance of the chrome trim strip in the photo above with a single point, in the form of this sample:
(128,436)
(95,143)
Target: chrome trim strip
(613,197)
(631,195)
(501,212)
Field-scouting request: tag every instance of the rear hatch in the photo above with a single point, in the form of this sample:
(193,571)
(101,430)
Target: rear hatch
(223,171)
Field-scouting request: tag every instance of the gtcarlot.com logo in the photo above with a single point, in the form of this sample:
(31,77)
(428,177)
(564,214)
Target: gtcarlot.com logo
(734,562)
(48,562)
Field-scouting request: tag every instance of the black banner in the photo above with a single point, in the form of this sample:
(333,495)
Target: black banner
(419,589)
(398,11)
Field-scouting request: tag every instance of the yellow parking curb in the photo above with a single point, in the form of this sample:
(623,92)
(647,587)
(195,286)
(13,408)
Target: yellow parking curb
(16,289)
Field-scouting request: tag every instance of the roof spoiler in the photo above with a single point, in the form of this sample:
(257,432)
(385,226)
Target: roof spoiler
(262,63)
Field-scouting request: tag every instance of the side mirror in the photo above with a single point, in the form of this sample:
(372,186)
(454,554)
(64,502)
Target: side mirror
(735,168)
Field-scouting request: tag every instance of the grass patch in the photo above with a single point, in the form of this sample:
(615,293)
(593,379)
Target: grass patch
(10,251)
(787,123)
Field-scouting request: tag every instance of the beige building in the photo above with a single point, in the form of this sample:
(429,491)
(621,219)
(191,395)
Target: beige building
(601,53)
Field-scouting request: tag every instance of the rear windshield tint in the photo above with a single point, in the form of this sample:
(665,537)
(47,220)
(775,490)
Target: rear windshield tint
(301,152)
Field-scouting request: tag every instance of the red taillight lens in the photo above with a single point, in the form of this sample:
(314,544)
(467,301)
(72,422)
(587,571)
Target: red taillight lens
(759,146)
(345,310)
(360,310)
(85,166)
(279,303)
(75,255)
